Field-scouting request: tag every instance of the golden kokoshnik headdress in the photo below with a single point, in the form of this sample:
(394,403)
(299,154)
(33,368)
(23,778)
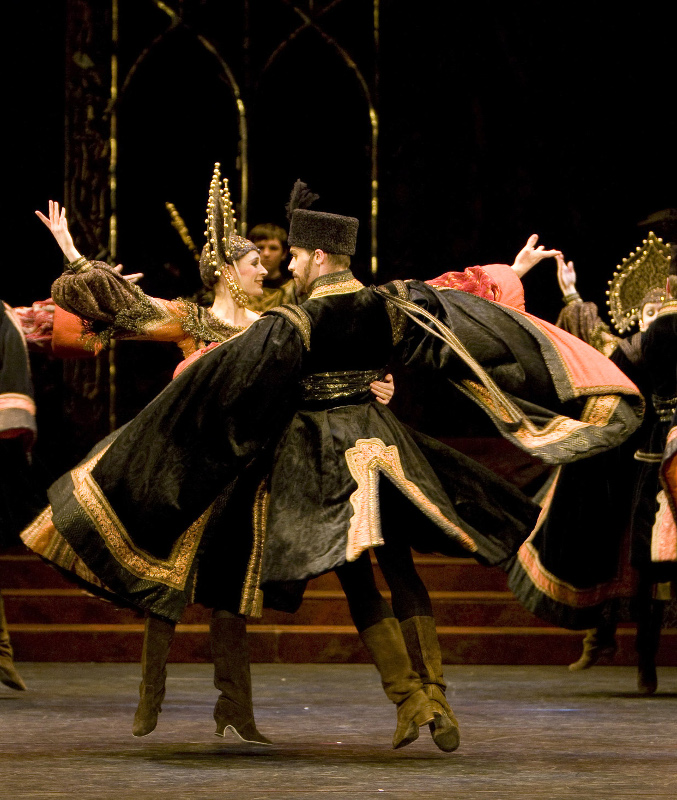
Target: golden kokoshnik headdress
(223,246)
(636,276)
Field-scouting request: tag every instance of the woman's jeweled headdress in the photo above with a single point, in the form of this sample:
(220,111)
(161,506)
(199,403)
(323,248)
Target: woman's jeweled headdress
(645,269)
(223,246)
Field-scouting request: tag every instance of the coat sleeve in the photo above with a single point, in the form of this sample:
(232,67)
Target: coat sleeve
(215,420)
(546,391)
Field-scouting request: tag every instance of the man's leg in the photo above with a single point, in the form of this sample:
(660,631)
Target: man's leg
(382,636)
(412,606)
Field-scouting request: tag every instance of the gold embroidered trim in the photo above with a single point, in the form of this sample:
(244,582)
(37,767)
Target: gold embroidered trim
(203,326)
(597,412)
(173,571)
(648,458)
(251,603)
(299,319)
(325,386)
(398,319)
(366,460)
(563,592)
(43,538)
(599,409)
(348,285)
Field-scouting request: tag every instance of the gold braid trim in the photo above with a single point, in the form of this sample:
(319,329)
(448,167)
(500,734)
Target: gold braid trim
(398,319)
(347,285)
(366,460)
(299,318)
(251,603)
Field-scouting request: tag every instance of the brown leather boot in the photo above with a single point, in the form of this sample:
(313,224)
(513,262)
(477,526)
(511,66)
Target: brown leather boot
(598,644)
(401,683)
(8,672)
(157,639)
(420,636)
(234,710)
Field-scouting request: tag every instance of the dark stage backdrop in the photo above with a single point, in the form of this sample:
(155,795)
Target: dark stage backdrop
(496,120)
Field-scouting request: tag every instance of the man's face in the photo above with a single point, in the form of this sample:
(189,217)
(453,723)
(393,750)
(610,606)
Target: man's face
(649,311)
(271,253)
(303,268)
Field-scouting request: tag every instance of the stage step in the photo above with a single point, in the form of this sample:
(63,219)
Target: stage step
(479,622)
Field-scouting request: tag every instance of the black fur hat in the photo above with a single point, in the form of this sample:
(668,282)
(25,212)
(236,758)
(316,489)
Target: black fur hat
(318,230)
(315,230)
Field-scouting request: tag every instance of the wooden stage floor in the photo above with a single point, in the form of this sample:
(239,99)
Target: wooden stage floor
(527,732)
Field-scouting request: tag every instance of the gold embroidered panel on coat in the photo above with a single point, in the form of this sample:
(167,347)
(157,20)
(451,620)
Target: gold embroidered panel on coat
(366,460)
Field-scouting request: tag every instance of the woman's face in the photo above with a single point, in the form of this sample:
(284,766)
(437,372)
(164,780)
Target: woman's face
(252,273)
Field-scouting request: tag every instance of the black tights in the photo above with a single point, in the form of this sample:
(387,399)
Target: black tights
(409,597)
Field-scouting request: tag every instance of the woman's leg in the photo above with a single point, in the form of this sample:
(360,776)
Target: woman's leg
(158,635)
(234,708)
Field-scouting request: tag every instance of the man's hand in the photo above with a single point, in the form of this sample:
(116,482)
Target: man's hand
(530,255)
(566,276)
(383,390)
(58,225)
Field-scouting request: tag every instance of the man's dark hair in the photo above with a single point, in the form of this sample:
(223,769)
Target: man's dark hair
(268,230)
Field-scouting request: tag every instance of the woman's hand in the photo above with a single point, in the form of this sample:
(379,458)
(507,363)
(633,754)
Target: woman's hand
(566,276)
(58,225)
(383,390)
(134,277)
(530,255)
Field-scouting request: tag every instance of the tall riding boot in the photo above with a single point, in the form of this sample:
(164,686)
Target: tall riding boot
(598,643)
(401,683)
(420,636)
(234,710)
(157,639)
(8,674)
(649,624)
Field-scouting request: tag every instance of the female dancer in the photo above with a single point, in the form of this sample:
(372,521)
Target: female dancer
(114,307)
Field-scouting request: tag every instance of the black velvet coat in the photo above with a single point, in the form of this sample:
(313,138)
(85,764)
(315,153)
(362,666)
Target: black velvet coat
(281,415)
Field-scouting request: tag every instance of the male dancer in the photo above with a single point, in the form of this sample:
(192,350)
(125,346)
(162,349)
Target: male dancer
(298,381)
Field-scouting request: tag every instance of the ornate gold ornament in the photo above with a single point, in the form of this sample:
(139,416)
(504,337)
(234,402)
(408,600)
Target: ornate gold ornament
(635,277)
(223,243)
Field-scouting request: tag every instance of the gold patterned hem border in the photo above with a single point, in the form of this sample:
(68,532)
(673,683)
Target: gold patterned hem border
(366,460)
(44,539)
(172,571)
(598,411)
(623,585)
